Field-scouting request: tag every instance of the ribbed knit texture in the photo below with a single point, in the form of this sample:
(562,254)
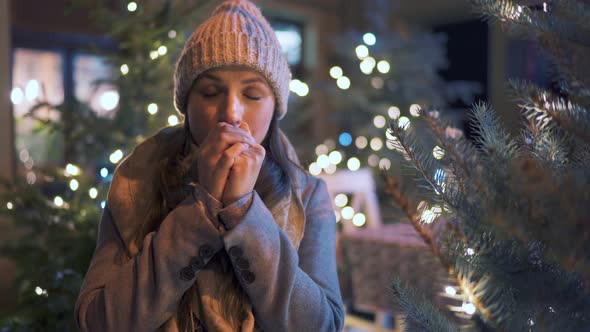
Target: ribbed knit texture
(236,33)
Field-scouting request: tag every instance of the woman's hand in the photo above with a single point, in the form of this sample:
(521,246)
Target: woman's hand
(244,172)
(217,155)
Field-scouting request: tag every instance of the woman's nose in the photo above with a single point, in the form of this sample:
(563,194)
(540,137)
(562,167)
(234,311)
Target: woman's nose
(232,111)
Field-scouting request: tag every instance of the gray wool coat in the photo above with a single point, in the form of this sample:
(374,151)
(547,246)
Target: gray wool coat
(290,289)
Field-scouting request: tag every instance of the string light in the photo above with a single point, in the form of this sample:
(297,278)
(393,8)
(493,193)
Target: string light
(124,69)
(31,177)
(377,83)
(383,67)
(343,83)
(172,34)
(315,169)
(468,308)
(32,90)
(103,204)
(335,157)
(362,52)
(361,142)
(415,110)
(17,96)
(376,144)
(403,122)
(369,39)
(341,200)
(366,67)
(345,139)
(132,6)
(353,164)
(331,169)
(336,72)
(74,184)
(347,212)
(438,152)
(152,108)
(93,193)
(173,120)
(323,161)
(379,121)
(109,100)
(116,156)
(72,170)
(321,149)
(470,251)
(385,164)
(393,112)
(373,160)
(359,219)
(9,205)
(162,50)
(104,172)
(299,88)
(58,201)
(40,291)
(450,290)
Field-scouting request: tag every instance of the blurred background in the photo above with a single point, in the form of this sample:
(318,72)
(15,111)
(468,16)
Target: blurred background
(84,81)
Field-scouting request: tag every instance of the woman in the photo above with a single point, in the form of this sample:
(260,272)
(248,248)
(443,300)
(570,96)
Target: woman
(213,225)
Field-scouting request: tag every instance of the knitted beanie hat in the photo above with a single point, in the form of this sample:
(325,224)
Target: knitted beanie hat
(236,33)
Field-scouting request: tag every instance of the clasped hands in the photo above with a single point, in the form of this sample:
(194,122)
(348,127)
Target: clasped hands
(229,162)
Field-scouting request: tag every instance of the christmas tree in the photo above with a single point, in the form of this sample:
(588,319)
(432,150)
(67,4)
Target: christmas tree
(506,215)
(56,209)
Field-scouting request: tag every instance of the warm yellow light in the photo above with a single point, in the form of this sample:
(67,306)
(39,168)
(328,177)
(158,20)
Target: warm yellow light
(315,169)
(385,164)
(347,212)
(415,110)
(335,157)
(124,69)
(173,120)
(321,149)
(361,142)
(72,170)
(152,108)
(379,121)
(336,72)
(162,50)
(362,51)
(450,290)
(403,122)
(9,205)
(323,161)
(93,193)
(58,201)
(74,184)
(132,6)
(376,144)
(353,164)
(341,200)
(343,83)
(438,152)
(116,156)
(373,160)
(383,67)
(359,219)
(366,67)
(394,112)
(154,55)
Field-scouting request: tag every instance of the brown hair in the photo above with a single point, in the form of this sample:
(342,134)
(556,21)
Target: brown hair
(174,170)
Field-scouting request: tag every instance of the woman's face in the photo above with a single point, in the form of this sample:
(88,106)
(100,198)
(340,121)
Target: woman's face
(233,95)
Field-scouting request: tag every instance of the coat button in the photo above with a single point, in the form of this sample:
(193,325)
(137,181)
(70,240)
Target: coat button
(248,276)
(242,263)
(187,273)
(235,252)
(197,263)
(205,251)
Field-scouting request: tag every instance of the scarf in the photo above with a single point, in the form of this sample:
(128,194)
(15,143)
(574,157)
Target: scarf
(127,199)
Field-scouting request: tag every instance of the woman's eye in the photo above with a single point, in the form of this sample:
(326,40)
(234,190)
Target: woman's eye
(209,94)
(253,97)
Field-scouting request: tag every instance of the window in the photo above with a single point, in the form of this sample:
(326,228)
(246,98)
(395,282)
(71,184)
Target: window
(290,36)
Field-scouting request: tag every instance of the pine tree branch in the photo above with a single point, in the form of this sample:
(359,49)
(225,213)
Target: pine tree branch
(421,315)
(522,19)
